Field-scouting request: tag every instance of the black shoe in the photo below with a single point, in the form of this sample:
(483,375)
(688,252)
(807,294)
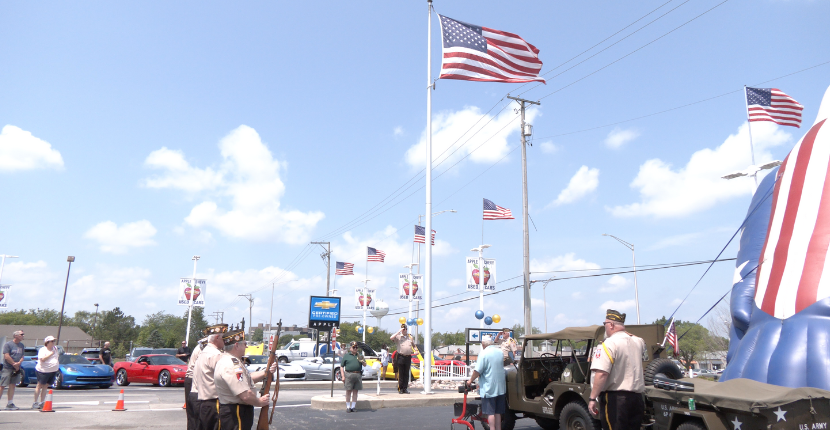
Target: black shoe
(348,410)
(352,409)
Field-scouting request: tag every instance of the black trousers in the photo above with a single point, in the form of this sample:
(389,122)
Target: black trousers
(192,410)
(236,417)
(404,362)
(621,410)
(188,406)
(209,414)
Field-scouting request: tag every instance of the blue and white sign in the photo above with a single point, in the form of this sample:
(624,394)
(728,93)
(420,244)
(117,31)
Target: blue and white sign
(324,312)
(474,335)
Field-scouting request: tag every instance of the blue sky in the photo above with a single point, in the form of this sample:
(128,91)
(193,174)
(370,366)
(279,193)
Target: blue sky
(137,135)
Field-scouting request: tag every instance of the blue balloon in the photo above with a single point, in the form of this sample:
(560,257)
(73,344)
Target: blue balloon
(488,321)
(360,329)
(411,321)
(479,314)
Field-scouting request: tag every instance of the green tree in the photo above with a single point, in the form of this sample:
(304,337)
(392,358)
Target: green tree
(155,340)
(32,317)
(118,329)
(83,320)
(519,330)
(197,324)
(258,335)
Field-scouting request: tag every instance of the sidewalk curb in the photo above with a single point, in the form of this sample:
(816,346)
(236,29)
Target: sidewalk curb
(371,402)
(326,385)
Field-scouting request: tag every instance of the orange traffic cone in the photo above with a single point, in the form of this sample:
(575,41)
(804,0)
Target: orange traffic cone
(47,405)
(119,405)
(184,406)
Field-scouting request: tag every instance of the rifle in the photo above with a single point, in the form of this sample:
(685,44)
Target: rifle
(264,421)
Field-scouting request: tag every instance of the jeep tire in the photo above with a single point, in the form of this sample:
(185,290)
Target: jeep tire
(662,367)
(691,425)
(575,416)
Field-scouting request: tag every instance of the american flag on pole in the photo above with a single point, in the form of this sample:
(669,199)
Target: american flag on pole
(375,255)
(493,211)
(476,53)
(671,336)
(772,104)
(420,232)
(344,268)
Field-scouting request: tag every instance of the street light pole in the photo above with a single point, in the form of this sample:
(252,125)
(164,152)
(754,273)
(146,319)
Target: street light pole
(94,324)
(634,260)
(480,251)
(411,293)
(190,301)
(545,299)
(70,259)
(250,298)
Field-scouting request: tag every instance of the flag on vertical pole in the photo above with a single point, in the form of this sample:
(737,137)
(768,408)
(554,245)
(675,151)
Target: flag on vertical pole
(420,232)
(493,211)
(375,255)
(772,104)
(671,336)
(344,268)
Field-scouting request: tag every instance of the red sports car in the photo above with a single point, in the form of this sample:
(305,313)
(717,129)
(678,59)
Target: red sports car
(156,369)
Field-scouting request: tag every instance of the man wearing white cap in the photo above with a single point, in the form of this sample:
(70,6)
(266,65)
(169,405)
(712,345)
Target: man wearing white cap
(46,368)
(490,366)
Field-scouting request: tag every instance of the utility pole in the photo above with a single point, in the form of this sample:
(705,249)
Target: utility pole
(218,316)
(250,306)
(326,256)
(525,131)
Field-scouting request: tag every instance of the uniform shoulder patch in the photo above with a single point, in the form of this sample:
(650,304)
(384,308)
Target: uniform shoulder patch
(235,360)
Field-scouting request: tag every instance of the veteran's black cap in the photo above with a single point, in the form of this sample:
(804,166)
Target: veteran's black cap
(232,337)
(615,316)
(215,329)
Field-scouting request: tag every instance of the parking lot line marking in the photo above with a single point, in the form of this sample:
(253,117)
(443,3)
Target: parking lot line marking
(129,401)
(92,402)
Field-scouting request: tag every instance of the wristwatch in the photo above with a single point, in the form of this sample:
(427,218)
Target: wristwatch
(593,400)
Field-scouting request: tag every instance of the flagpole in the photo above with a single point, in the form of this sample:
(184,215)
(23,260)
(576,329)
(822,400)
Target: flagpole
(749,127)
(427,353)
(365,300)
(667,334)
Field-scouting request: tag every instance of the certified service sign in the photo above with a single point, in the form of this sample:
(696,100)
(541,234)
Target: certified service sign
(324,312)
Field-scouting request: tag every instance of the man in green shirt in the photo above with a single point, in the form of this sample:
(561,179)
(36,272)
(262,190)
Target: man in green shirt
(351,371)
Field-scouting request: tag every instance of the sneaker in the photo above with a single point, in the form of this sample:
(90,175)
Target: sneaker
(40,405)
(352,409)
(11,407)
(348,410)
(34,405)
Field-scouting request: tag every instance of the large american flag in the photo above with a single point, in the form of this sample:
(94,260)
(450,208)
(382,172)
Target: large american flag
(344,268)
(420,232)
(793,272)
(375,255)
(671,336)
(493,211)
(772,104)
(475,53)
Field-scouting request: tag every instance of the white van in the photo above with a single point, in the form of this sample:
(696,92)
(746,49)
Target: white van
(296,350)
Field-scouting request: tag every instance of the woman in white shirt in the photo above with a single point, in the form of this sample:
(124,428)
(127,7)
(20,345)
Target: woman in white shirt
(46,368)
(384,360)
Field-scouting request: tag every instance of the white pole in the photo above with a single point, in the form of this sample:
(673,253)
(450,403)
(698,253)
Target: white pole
(427,377)
(365,301)
(481,284)
(636,291)
(411,280)
(190,300)
(749,128)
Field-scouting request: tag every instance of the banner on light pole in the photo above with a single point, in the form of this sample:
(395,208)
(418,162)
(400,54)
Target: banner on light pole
(188,291)
(475,273)
(367,299)
(410,284)
(4,296)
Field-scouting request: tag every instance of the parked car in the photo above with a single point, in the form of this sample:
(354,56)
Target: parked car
(288,371)
(319,368)
(92,354)
(75,371)
(30,353)
(296,350)
(138,351)
(156,369)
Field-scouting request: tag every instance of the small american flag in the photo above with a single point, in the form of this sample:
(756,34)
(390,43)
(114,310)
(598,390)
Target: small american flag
(375,255)
(492,211)
(772,104)
(671,336)
(344,268)
(476,53)
(419,234)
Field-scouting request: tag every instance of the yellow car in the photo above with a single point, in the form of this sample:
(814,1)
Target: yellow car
(390,374)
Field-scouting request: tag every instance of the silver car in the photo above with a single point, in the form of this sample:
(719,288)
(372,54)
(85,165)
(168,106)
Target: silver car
(288,371)
(319,368)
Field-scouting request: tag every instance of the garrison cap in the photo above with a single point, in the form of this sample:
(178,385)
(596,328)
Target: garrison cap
(215,329)
(615,316)
(234,336)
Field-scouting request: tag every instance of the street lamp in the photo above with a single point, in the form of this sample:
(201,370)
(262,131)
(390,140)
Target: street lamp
(480,251)
(190,301)
(634,259)
(410,266)
(94,324)
(545,300)
(70,259)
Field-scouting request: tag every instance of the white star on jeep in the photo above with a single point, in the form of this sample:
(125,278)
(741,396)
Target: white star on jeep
(780,414)
(736,423)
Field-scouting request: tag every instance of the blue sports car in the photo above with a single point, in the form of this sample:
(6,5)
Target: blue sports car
(75,371)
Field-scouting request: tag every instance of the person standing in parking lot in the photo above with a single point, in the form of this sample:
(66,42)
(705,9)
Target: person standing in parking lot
(191,397)
(235,385)
(490,370)
(384,361)
(46,369)
(617,383)
(183,353)
(403,358)
(351,372)
(203,378)
(105,354)
(11,374)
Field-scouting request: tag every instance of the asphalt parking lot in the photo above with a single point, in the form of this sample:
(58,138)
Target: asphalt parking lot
(151,407)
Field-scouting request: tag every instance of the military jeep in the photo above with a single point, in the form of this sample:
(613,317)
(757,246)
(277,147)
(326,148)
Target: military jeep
(551,382)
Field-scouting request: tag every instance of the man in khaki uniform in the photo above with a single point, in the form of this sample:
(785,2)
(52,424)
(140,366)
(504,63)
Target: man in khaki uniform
(403,358)
(617,381)
(191,402)
(235,386)
(203,373)
(508,345)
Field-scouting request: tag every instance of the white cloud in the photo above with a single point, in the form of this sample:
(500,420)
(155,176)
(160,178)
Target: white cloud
(576,295)
(19,150)
(676,240)
(118,240)
(617,283)
(583,182)
(624,305)
(449,130)
(398,131)
(559,263)
(666,192)
(549,147)
(619,137)
(249,178)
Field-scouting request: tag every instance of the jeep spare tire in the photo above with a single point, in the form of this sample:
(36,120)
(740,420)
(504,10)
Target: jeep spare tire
(661,367)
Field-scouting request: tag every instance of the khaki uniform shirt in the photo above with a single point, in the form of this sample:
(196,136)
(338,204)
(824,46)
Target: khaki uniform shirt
(191,363)
(509,345)
(232,379)
(404,344)
(621,355)
(204,371)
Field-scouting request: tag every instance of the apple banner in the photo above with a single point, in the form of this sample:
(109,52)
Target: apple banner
(4,296)
(361,299)
(188,291)
(407,285)
(476,273)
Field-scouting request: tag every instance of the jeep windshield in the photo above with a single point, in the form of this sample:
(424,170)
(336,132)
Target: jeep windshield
(560,348)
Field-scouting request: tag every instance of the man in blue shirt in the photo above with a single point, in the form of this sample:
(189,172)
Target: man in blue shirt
(490,369)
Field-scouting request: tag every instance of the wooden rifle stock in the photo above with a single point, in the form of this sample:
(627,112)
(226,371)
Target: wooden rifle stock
(264,421)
